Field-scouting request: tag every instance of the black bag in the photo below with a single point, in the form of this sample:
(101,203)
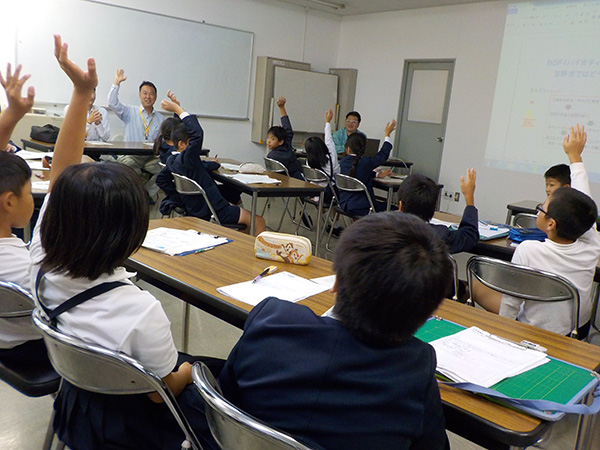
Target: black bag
(47,133)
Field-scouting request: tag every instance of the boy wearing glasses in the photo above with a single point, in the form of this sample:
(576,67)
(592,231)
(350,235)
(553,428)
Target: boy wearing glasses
(572,249)
(341,135)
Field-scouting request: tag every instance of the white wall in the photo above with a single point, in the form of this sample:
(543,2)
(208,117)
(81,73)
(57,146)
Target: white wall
(280,30)
(378,44)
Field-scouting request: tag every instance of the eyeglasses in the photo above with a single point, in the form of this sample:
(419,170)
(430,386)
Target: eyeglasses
(540,209)
(352,121)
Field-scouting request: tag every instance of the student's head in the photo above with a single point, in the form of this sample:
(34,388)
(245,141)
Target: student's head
(180,137)
(352,122)
(16,201)
(418,195)
(557,176)
(147,94)
(317,154)
(568,213)
(96,217)
(392,272)
(356,145)
(166,128)
(275,137)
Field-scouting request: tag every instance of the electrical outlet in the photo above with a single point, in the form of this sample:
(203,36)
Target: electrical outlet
(456,196)
(448,194)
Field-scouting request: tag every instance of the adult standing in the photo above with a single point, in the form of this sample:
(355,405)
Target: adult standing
(141,124)
(351,126)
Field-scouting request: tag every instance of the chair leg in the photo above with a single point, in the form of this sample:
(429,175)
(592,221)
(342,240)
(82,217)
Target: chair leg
(49,438)
(333,222)
(185,327)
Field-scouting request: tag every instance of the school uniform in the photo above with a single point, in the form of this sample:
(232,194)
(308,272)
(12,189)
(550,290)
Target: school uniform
(124,319)
(285,153)
(355,203)
(309,376)
(465,237)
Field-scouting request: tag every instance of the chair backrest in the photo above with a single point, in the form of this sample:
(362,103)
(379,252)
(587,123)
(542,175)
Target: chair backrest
(524,282)
(524,220)
(14,301)
(351,184)
(319,176)
(230,426)
(187,186)
(273,165)
(97,369)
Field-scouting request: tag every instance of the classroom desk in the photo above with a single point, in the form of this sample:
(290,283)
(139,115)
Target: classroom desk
(524,206)
(195,278)
(289,187)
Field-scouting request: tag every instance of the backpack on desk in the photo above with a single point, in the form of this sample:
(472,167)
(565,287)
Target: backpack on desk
(526,234)
(47,133)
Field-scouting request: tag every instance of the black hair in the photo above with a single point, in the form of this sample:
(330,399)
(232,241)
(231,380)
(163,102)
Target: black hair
(179,134)
(278,132)
(573,211)
(419,196)
(14,173)
(317,154)
(355,114)
(148,83)
(392,272)
(166,128)
(96,217)
(357,143)
(560,172)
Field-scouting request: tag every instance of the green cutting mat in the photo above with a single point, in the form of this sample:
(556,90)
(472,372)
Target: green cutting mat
(556,380)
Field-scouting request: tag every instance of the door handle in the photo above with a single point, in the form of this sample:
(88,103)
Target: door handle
(440,139)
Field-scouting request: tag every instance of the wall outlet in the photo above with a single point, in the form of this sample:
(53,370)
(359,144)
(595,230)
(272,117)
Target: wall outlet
(448,194)
(456,196)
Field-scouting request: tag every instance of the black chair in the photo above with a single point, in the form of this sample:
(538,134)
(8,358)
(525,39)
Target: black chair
(30,380)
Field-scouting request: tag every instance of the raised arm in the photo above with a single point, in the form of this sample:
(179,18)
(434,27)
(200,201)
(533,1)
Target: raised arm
(195,132)
(573,145)
(384,153)
(285,122)
(69,145)
(17,106)
(113,95)
(330,144)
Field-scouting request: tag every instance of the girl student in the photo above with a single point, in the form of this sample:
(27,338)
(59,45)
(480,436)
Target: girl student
(163,144)
(361,167)
(188,141)
(93,218)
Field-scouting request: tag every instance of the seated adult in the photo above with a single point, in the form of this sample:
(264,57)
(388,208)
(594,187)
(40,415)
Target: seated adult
(341,135)
(97,127)
(357,379)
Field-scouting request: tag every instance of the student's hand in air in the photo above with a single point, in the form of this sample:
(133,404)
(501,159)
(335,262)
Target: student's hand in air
(328,115)
(281,101)
(467,186)
(172,97)
(391,126)
(574,143)
(119,77)
(95,117)
(13,85)
(82,81)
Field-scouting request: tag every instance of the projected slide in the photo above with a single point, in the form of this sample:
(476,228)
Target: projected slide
(548,79)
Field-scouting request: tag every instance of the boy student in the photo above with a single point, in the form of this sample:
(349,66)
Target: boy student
(572,249)
(557,176)
(19,339)
(418,195)
(279,143)
(97,127)
(141,123)
(358,378)
(341,135)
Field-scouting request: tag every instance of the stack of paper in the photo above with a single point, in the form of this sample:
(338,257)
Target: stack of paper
(232,167)
(475,356)
(248,178)
(487,231)
(283,285)
(26,154)
(181,242)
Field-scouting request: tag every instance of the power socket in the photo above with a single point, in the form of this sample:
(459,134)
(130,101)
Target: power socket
(456,196)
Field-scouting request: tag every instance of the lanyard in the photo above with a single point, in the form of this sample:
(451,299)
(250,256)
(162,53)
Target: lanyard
(146,127)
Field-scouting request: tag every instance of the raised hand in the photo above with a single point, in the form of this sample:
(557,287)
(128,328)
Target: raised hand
(328,115)
(82,81)
(390,126)
(119,77)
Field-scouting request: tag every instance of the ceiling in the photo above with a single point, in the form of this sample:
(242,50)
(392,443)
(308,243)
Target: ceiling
(353,7)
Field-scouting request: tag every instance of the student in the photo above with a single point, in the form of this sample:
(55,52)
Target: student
(357,379)
(97,126)
(189,164)
(341,135)
(141,123)
(279,143)
(19,339)
(418,195)
(163,144)
(361,167)
(322,155)
(568,217)
(557,176)
(94,217)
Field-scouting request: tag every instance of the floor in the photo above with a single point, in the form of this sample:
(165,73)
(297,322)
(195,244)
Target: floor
(23,420)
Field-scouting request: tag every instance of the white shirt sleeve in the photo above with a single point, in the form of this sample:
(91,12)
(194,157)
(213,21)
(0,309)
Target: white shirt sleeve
(115,105)
(579,178)
(104,128)
(332,151)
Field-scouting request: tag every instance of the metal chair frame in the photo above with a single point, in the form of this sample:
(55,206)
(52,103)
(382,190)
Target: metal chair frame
(187,186)
(17,302)
(524,282)
(525,220)
(97,369)
(273,165)
(231,427)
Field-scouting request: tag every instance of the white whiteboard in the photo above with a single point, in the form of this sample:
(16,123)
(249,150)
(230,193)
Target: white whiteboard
(208,67)
(308,94)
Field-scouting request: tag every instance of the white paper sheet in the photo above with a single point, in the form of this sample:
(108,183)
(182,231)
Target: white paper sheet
(180,242)
(247,178)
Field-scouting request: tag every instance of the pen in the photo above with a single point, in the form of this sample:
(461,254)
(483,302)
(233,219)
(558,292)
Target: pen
(193,252)
(268,271)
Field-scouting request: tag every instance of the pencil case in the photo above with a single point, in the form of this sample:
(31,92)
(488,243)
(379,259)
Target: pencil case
(283,247)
